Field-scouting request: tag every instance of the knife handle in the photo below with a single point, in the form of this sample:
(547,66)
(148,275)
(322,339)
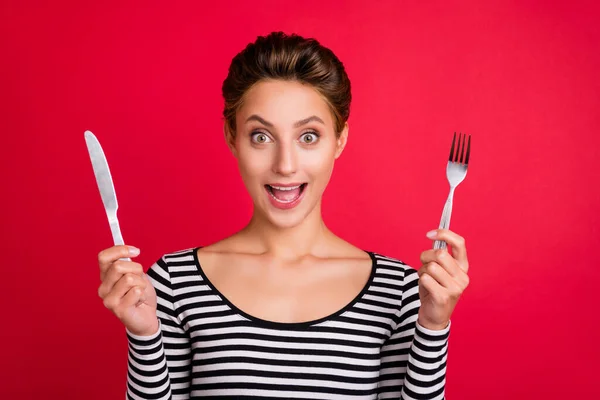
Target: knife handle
(115,230)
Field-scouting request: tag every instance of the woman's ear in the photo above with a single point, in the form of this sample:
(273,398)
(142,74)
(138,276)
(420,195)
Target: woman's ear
(341,141)
(229,138)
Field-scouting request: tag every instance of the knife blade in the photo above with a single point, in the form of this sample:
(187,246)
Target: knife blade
(105,185)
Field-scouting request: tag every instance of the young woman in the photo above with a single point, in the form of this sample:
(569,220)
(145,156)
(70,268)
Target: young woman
(285,308)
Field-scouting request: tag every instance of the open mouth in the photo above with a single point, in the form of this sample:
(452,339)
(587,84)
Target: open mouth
(286,194)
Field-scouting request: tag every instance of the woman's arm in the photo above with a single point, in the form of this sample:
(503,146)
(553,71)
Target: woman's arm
(413,364)
(159,365)
(416,356)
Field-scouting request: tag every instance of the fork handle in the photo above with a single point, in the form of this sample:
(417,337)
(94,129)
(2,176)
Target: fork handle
(445,221)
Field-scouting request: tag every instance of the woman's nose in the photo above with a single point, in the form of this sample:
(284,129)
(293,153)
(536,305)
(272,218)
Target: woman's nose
(285,162)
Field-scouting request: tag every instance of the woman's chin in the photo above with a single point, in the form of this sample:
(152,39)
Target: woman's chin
(283,219)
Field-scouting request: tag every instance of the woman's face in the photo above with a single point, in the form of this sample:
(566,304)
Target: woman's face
(285,145)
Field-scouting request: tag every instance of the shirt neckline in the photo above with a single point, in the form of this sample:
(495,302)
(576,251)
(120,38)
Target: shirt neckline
(288,325)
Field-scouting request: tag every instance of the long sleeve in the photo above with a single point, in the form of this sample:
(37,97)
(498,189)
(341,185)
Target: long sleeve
(413,364)
(159,365)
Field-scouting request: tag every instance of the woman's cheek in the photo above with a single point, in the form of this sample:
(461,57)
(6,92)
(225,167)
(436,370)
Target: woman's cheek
(319,164)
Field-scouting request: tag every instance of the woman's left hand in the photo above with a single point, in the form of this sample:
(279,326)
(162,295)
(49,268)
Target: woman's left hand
(443,279)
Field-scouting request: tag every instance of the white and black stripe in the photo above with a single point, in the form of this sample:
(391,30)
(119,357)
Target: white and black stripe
(207,348)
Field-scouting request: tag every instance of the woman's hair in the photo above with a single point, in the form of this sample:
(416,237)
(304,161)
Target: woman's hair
(293,58)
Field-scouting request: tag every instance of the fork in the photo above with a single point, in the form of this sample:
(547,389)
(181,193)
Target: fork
(456,171)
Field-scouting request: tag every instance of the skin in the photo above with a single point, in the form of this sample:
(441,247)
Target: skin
(285,265)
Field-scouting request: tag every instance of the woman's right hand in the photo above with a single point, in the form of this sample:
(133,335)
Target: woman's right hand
(127,291)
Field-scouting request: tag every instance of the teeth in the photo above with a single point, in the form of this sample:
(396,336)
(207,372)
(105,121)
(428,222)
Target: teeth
(285,188)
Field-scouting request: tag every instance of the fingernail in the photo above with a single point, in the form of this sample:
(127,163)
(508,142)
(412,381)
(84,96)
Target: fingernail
(133,251)
(431,234)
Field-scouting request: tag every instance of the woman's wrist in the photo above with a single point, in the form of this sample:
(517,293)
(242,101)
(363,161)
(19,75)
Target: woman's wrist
(432,326)
(152,330)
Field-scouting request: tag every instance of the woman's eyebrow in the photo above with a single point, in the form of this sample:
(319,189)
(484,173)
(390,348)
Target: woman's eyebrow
(255,117)
(304,121)
(307,120)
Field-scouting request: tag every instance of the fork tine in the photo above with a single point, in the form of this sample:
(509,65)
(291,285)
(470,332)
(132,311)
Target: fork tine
(468,151)
(452,148)
(459,149)
(464,145)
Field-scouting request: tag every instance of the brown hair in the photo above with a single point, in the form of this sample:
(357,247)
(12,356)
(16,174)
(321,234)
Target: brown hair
(288,57)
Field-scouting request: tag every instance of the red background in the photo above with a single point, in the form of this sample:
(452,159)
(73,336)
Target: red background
(520,76)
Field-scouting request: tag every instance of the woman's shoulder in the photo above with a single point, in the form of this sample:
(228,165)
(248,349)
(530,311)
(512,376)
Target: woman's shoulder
(384,266)
(175,257)
(388,259)
(390,264)
(215,247)
(394,277)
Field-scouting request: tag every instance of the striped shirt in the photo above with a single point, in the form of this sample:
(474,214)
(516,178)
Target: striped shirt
(207,348)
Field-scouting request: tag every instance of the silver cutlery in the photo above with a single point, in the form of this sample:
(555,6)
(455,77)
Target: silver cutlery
(456,171)
(105,185)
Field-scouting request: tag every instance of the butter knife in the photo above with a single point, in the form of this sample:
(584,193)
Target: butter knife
(105,185)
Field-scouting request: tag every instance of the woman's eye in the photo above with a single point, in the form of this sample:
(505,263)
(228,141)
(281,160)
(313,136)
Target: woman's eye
(309,138)
(260,138)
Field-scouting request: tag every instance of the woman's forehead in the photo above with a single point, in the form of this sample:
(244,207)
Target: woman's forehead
(283,102)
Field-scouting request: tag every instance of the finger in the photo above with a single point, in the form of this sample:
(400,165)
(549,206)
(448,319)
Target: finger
(456,242)
(108,256)
(430,284)
(130,299)
(437,292)
(134,296)
(115,272)
(441,276)
(443,258)
(127,281)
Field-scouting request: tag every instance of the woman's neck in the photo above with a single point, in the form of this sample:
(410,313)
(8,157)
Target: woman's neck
(291,243)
